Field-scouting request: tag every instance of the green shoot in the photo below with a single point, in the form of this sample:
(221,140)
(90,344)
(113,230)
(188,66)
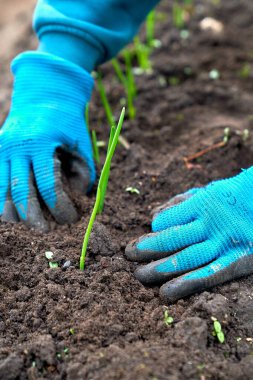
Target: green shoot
(128,82)
(72,331)
(178,16)
(217,330)
(132,190)
(87,116)
(95,147)
(143,55)
(168,319)
(245,71)
(107,172)
(118,71)
(106,105)
(49,255)
(101,190)
(130,85)
(150,28)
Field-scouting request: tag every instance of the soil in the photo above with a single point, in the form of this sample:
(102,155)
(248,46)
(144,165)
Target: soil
(103,324)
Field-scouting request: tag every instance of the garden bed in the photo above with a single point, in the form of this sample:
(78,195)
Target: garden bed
(102,323)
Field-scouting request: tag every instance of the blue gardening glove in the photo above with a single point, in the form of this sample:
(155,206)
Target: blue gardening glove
(200,239)
(46,118)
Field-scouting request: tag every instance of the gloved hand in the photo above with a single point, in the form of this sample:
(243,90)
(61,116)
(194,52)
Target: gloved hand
(47,114)
(202,238)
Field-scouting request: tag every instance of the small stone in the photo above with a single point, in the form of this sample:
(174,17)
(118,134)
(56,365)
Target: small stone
(66,265)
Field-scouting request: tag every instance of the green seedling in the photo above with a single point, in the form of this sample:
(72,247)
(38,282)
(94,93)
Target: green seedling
(245,71)
(178,14)
(217,330)
(226,135)
(168,319)
(95,147)
(72,331)
(107,108)
(87,109)
(174,81)
(127,80)
(142,53)
(130,85)
(150,28)
(105,102)
(132,190)
(102,184)
(49,255)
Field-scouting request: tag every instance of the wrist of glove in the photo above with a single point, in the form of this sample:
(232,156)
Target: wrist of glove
(47,115)
(200,239)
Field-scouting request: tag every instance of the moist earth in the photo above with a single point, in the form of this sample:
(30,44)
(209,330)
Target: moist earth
(62,323)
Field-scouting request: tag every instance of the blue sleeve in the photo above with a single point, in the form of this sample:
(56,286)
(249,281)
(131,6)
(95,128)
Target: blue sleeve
(88,32)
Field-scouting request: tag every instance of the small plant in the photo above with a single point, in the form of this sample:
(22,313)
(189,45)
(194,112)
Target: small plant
(95,147)
(132,190)
(127,80)
(178,15)
(108,111)
(105,102)
(142,53)
(72,331)
(168,319)
(52,264)
(217,330)
(102,184)
(245,71)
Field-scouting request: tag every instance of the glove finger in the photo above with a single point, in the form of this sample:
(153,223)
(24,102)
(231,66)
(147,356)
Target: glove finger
(177,199)
(190,258)
(47,170)
(180,214)
(157,245)
(24,195)
(7,209)
(225,268)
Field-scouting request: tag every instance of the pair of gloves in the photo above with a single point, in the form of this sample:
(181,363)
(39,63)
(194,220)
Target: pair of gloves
(199,239)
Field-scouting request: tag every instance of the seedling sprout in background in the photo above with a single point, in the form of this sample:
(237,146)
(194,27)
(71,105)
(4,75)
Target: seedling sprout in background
(168,319)
(108,110)
(142,53)
(49,255)
(245,71)
(132,190)
(95,147)
(102,184)
(217,330)
(127,80)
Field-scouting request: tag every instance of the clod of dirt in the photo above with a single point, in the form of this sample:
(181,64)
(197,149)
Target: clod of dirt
(243,310)
(211,304)
(241,371)
(192,332)
(10,367)
(101,242)
(43,349)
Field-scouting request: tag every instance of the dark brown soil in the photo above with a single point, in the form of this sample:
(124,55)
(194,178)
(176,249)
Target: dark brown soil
(118,325)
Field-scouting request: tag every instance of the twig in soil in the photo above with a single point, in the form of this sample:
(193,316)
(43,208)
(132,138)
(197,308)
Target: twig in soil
(102,185)
(187,160)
